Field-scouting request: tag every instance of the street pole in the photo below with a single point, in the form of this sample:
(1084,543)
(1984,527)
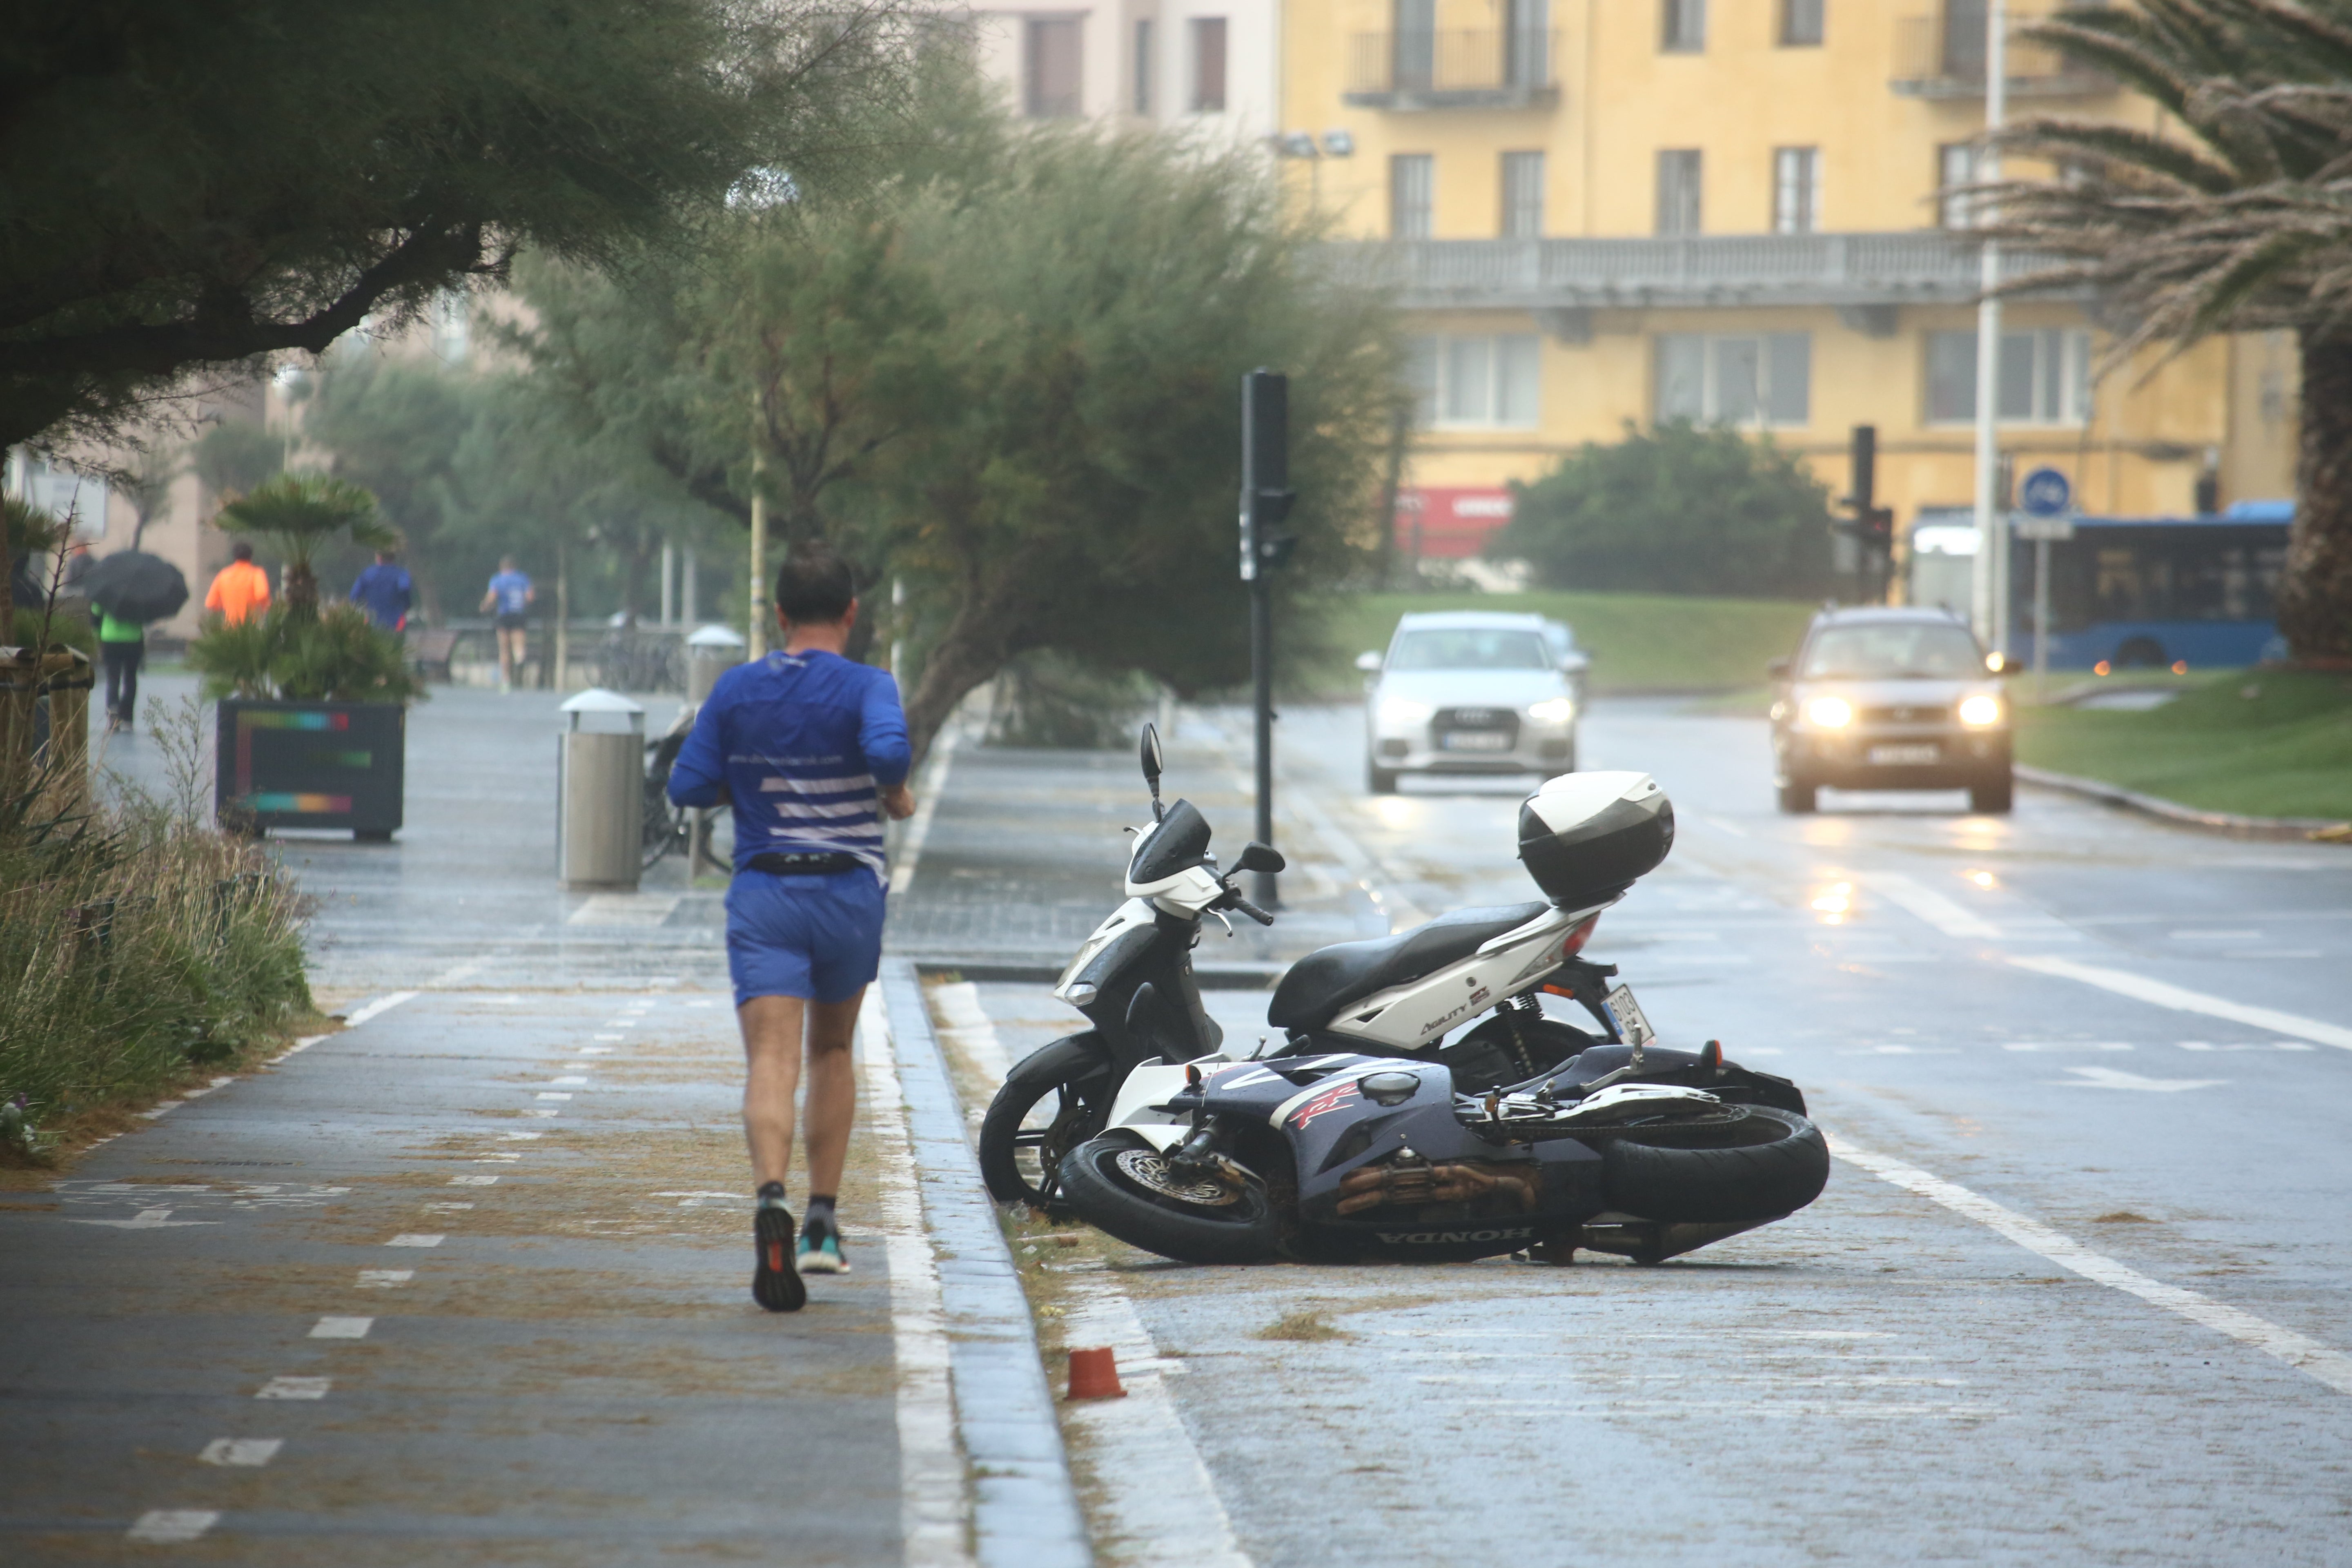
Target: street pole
(756,643)
(1266,501)
(1984,580)
(2040,617)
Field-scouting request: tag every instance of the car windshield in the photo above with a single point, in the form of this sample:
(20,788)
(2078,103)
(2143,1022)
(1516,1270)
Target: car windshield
(1470,647)
(1892,650)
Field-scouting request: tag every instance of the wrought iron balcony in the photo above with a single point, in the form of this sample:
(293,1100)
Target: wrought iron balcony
(1943,55)
(1851,271)
(1510,68)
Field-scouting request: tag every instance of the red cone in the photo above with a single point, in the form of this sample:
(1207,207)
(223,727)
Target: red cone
(1094,1375)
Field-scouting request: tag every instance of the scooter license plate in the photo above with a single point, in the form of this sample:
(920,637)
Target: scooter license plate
(1476,741)
(1632,1022)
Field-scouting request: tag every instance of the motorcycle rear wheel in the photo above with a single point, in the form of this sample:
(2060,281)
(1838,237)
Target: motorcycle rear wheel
(1118,1183)
(1054,1100)
(1757,1165)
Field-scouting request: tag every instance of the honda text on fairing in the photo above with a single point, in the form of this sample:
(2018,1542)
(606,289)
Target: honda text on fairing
(1420,1105)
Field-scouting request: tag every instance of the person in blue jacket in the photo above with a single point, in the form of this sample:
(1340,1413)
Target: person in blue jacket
(810,751)
(385,592)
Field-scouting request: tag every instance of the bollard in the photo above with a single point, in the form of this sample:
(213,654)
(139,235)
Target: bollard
(601,792)
(1094,1375)
(710,654)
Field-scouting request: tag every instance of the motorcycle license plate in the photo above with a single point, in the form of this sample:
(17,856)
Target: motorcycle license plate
(1631,1021)
(1883,756)
(1476,741)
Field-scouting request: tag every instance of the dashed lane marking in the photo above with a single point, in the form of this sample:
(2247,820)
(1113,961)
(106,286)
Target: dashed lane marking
(341,1328)
(164,1525)
(551,1094)
(247,1451)
(376,1008)
(296,1388)
(2180,999)
(473,1181)
(412,1238)
(1945,914)
(2108,1078)
(2329,1364)
(385,1279)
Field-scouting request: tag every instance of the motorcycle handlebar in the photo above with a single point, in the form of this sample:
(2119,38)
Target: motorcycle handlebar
(1251,910)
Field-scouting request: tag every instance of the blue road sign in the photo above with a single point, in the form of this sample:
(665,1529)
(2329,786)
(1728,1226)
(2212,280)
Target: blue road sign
(2046,493)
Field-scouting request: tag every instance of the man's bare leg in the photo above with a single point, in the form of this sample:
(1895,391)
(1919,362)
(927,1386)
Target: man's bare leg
(773,1030)
(832,1091)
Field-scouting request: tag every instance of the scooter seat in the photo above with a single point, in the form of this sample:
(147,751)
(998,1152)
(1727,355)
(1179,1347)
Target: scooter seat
(1327,979)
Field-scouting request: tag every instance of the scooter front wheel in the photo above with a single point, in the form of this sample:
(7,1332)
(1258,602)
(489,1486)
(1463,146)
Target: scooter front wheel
(1053,1100)
(1120,1184)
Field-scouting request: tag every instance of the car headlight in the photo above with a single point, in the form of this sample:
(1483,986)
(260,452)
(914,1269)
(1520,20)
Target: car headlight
(1404,710)
(1555,710)
(1829,712)
(1979,711)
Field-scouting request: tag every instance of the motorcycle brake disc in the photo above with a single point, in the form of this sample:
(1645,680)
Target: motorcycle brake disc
(1146,1170)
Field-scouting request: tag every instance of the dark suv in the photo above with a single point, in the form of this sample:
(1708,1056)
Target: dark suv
(1890,698)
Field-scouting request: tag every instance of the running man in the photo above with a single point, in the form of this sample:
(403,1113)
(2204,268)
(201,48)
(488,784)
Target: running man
(385,591)
(810,750)
(240,590)
(511,595)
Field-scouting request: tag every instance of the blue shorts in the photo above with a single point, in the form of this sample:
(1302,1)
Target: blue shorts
(818,938)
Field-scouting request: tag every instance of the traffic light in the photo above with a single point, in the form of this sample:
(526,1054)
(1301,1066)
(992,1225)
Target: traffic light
(1266,496)
(1872,525)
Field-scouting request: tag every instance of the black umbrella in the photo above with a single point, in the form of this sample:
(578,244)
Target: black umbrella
(132,585)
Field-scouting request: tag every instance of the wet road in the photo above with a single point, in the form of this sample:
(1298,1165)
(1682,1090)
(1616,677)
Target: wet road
(2077,1289)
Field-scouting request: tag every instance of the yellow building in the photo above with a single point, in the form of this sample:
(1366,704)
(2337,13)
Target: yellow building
(1603,211)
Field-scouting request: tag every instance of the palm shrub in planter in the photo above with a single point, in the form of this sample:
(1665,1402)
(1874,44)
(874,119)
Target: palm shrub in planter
(313,701)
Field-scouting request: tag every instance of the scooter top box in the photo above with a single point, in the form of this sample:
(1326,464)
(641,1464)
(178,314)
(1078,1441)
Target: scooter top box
(1586,838)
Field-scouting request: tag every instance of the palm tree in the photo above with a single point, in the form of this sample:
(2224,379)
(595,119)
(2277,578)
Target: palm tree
(298,513)
(2234,216)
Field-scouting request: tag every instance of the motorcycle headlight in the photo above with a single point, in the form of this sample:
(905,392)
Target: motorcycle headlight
(1979,711)
(1404,710)
(1084,993)
(1829,712)
(1556,710)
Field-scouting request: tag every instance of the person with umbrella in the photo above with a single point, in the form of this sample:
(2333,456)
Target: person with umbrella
(129,588)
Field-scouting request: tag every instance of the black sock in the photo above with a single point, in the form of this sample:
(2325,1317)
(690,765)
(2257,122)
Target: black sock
(820,1214)
(772,1192)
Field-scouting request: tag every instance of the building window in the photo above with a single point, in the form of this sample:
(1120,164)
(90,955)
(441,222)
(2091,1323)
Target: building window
(1796,190)
(1050,66)
(1955,166)
(1477,383)
(1801,22)
(1412,62)
(1766,379)
(2045,377)
(1208,65)
(1682,25)
(1143,66)
(1412,177)
(1523,195)
(1678,190)
(1527,43)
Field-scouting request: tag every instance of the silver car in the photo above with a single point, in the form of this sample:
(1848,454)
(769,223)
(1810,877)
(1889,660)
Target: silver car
(1470,691)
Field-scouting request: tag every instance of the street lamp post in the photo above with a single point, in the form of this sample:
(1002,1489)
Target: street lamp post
(1988,608)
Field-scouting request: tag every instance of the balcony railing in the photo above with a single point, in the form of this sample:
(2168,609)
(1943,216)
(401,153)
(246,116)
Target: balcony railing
(1837,270)
(1433,69)
(1942,55)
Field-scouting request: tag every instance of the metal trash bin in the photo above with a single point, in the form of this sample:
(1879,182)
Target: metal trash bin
(600,792)
(710,654)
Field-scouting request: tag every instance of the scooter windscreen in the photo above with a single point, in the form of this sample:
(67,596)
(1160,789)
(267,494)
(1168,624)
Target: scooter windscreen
(1179,843)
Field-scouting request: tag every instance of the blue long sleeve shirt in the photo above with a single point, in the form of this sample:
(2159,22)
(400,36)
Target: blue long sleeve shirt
(804,743)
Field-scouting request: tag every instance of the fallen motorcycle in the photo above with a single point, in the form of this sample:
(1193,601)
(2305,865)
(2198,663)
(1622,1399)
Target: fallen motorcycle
(1367,1132)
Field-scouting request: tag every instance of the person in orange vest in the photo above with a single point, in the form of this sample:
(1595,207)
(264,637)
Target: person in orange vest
(240,590)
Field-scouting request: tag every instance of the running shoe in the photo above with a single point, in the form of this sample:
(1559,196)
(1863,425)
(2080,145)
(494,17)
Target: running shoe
(820,1249)
(776,1283)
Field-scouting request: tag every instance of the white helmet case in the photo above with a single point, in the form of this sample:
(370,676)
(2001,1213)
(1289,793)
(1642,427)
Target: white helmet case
(1585,837)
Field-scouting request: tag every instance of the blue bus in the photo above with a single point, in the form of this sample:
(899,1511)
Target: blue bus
(2131,591)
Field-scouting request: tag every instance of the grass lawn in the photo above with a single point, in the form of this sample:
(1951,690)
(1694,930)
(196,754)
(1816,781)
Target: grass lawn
(2285,751)
(1639,642)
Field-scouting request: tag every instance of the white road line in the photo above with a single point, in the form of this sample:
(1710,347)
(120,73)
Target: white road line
(412,1238)
(376,1008)
(2159,993)
(918,827)
(1929,905)
(385,1279)
(447,1208)
(1161,1506)
(465,970)
(170,1524)
(341,1328)
(2330,1365)
(296,1388)
(965,1026)
(241,1450)
(2108,1078)
(473,1181)
(552,1095)
(934,1502)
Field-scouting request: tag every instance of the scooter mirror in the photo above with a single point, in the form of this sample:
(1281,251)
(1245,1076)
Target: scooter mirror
(1151,758)
(1256,857)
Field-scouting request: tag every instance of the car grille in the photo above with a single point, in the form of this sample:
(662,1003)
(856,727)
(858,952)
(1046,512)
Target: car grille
(1502,722)
(1935,713)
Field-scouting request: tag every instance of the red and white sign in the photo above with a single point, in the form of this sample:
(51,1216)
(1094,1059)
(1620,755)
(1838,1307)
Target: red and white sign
(1452,524)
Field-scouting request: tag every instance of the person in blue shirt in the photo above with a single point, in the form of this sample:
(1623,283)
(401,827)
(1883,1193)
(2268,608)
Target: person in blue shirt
(385,591)
(810,750)
(510,598)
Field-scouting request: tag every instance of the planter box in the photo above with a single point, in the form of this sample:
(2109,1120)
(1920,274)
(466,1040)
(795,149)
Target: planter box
(311,764)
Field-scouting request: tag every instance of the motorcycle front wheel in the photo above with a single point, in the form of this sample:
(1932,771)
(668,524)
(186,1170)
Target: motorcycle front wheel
(1120,1184)
(1052,1101)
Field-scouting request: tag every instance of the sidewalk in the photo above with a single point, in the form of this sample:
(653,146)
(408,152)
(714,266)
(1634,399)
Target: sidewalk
(467,1282)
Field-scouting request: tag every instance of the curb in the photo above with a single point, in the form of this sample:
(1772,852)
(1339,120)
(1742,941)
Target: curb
(2284,829)
(1015,972)
(1025,1509)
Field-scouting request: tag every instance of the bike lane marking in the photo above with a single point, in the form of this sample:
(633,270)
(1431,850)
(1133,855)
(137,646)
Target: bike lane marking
(2161,994)
(2329,1364)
